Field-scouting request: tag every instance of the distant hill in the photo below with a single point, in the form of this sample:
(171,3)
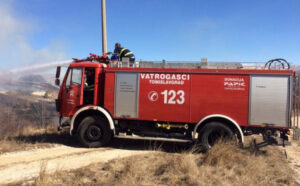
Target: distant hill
(29,83)
(32,78)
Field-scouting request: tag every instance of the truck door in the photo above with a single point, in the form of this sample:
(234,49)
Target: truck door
(72,93)
(270,100)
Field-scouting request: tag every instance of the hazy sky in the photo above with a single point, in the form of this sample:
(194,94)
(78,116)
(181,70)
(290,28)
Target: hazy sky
(39,31)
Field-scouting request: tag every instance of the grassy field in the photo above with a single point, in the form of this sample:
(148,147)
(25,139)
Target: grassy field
(168,164)
(33,138)
(26,122)
(224,164)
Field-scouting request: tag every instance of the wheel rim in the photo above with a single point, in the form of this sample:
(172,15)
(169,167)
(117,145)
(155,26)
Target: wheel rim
(93,133)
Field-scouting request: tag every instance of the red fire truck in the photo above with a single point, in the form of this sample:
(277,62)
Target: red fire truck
(172,104)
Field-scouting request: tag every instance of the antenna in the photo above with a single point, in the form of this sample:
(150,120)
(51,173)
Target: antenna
(104,38)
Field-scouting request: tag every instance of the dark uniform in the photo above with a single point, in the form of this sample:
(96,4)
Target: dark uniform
(90,80)
(124,52)
(89,86)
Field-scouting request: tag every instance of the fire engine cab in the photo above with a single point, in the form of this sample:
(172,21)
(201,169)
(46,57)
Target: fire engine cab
(172,104)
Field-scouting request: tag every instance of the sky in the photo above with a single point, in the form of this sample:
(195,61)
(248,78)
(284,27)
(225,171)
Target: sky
(40,31)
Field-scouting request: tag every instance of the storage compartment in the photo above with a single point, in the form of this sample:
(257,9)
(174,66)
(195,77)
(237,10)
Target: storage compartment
(269,100)
(126,94)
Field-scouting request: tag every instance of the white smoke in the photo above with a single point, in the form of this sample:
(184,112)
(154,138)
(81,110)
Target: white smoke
(15,47)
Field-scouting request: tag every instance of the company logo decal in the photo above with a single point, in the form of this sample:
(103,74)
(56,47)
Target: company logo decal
(153,96)
(234,84)
(165,79)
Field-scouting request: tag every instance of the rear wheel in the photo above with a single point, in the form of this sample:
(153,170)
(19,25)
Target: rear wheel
(94,131)
(213,132)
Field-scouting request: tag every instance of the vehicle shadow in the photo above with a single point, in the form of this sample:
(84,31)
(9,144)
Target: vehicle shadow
(64,138)
(131,144)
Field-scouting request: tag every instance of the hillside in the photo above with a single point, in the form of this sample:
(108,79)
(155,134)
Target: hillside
(20,110)
(25,83)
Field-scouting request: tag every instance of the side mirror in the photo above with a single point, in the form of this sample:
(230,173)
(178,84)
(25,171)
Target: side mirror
(57,72)
(57,82)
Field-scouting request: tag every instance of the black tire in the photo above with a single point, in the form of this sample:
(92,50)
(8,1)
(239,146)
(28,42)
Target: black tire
(94,131)
(213,132)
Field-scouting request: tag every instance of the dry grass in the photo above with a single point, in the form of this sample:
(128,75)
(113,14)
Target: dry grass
(32,138)
(19,140)
(222,165)
(25,122)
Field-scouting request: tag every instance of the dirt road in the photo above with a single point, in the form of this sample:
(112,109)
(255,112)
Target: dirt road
(26,165)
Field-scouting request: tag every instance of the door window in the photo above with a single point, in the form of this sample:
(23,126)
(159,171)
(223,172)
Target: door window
(69,78)
(76,77)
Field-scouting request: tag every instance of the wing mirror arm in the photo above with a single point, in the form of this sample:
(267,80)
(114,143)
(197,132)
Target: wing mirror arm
(57,81)
(57,72)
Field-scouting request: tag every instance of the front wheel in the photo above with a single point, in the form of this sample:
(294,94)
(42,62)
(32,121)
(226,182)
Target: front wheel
(94,131)
(213,132)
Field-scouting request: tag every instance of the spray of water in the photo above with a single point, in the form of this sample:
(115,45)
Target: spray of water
(10,80)
(40,67)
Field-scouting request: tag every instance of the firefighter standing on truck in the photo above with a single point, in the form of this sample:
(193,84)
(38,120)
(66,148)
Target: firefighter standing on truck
(124,52)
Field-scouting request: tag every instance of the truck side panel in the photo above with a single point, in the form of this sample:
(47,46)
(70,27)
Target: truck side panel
(164,97)
(220,94)
(188,97)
